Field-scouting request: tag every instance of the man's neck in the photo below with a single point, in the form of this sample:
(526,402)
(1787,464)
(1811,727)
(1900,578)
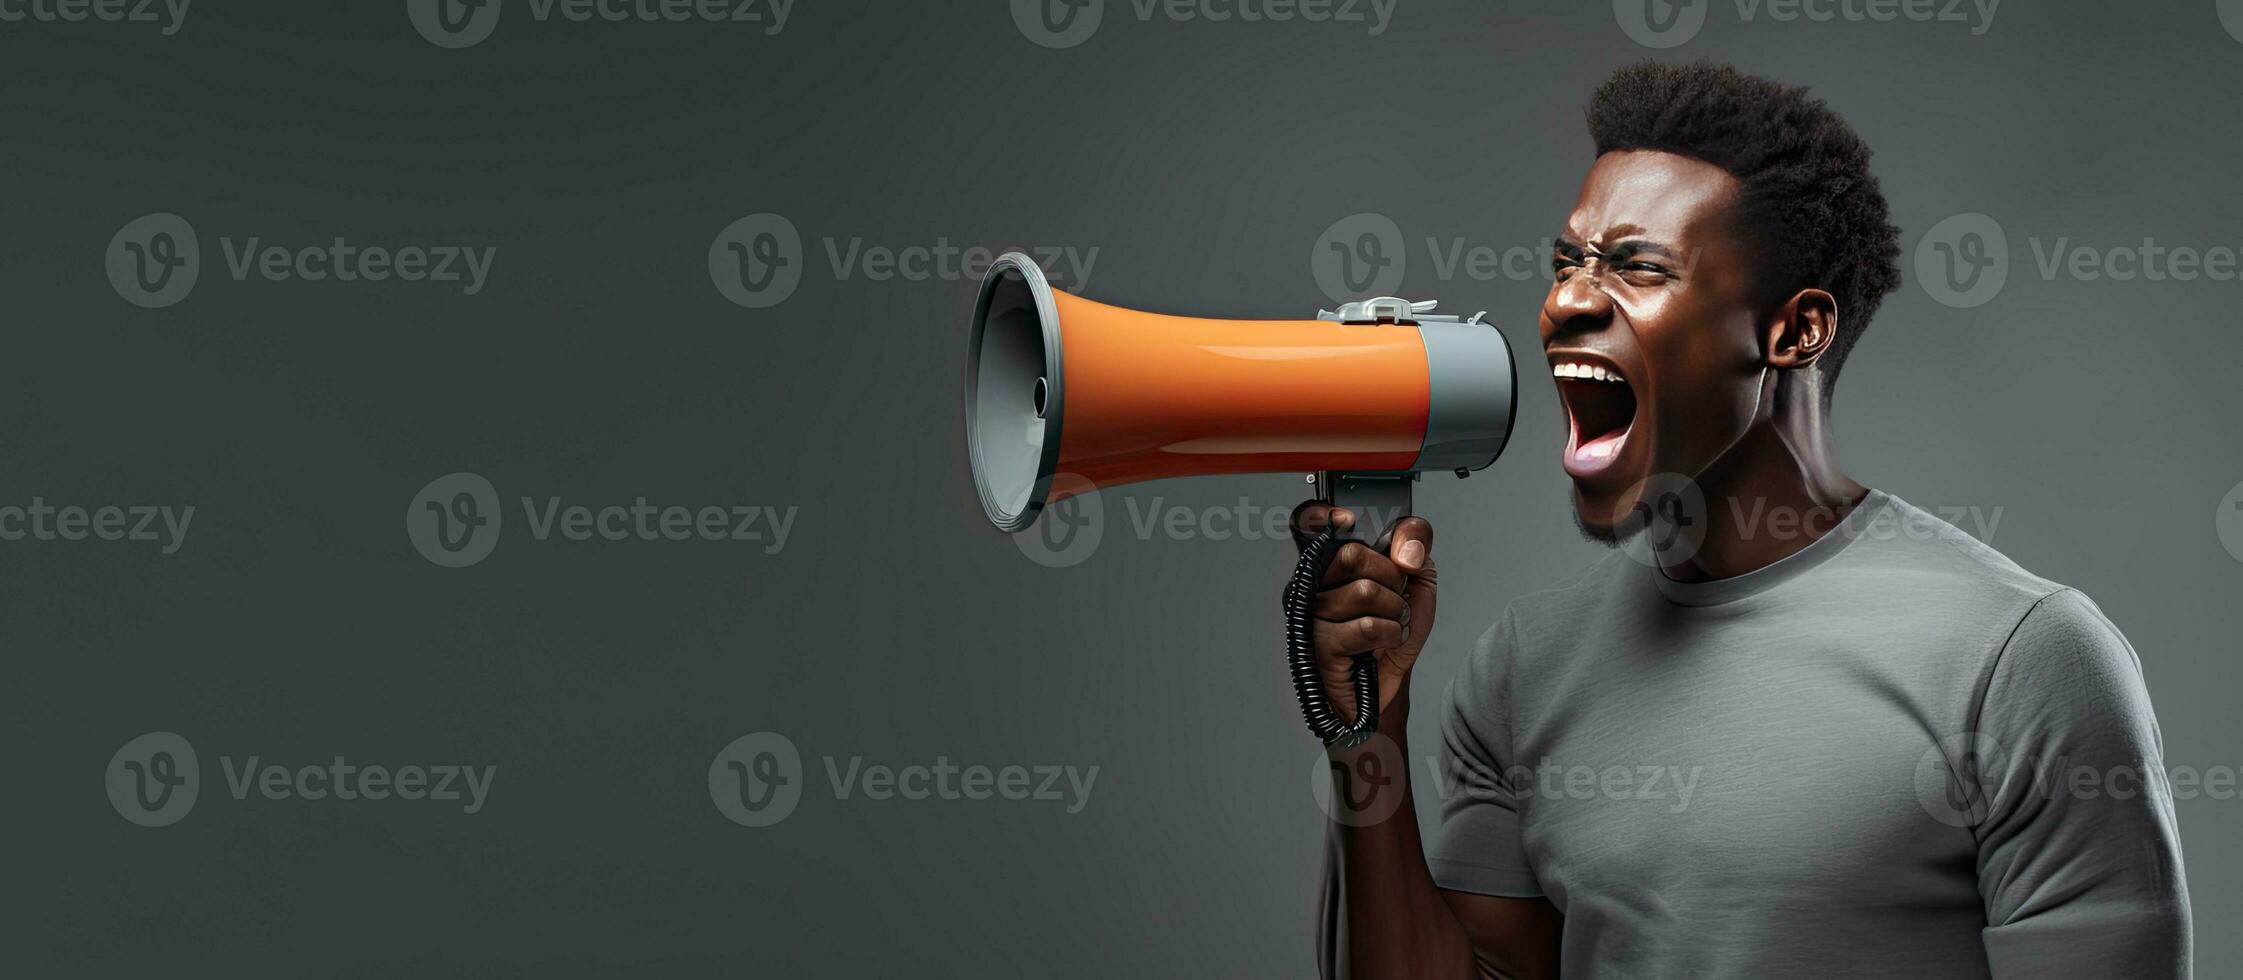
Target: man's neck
(1772,494)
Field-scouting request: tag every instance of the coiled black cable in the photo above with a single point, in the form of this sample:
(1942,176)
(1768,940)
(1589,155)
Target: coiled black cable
(1300,653)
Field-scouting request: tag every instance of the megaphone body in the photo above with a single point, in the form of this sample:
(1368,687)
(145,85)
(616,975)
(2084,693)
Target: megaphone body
(1065,395)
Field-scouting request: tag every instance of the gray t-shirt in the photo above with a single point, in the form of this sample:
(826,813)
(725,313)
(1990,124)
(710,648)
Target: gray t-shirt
(1894,753)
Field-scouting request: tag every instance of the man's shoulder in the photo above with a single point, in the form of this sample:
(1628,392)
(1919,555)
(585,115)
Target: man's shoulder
(1912,556)
(1527,616)
(1569,597)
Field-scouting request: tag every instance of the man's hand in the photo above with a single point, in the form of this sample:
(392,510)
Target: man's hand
(1370,602)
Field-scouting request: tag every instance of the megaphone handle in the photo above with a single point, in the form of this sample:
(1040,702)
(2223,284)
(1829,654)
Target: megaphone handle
(1378,501)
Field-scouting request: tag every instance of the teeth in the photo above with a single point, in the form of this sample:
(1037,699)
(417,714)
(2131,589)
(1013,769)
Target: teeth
(1583,371)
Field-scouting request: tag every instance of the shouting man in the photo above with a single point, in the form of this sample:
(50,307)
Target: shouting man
(1795,727)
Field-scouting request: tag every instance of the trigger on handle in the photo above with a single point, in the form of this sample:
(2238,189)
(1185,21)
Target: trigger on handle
(1378,501)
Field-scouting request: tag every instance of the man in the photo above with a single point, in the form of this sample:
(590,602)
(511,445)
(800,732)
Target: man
(1797,727)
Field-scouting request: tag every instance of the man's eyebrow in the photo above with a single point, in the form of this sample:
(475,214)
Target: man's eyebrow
(1622,251)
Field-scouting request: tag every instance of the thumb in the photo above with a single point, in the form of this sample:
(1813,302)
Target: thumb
(1412,544)
(1412,549)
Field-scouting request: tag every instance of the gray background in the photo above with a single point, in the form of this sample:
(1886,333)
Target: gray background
(600,364)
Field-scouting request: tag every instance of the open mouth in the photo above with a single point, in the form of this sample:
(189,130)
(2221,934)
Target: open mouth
(1602,407)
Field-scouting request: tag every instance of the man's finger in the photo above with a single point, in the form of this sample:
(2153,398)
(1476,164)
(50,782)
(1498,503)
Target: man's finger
(1361,597)
(1358,635)
(1356,560)
(1413,544)
(1312,516)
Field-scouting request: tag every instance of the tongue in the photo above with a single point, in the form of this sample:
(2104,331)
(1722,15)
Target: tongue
(1600,448)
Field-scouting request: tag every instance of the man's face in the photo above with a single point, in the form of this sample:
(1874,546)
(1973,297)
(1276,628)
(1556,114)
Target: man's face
(1649,330)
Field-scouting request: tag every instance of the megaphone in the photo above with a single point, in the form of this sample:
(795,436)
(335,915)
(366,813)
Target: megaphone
(1065,395)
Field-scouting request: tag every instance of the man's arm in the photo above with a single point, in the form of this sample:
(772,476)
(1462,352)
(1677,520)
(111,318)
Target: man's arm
(2079,857)
(1395,920)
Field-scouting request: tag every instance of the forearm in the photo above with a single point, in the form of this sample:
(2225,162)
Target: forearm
(1398,923)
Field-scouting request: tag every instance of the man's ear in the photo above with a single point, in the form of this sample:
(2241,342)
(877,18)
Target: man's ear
(1801,329)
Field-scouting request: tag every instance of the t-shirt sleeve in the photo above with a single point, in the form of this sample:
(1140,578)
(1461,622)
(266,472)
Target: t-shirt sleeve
(1477,847)
(2079,858)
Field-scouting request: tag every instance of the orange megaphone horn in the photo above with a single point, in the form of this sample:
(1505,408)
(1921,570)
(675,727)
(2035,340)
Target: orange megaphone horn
(1065,395)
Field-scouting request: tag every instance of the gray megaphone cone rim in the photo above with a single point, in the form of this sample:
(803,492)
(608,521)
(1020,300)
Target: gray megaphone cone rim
(1055,392)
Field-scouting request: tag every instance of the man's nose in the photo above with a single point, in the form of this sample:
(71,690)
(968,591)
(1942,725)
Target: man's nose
(1578,302)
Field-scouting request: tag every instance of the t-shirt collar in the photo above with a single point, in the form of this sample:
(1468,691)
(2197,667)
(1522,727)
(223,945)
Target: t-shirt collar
(1785,569)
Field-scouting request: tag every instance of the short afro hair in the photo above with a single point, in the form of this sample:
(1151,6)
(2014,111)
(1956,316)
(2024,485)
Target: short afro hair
(1809,210)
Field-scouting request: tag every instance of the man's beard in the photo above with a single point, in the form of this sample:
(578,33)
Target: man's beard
(1610,537)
